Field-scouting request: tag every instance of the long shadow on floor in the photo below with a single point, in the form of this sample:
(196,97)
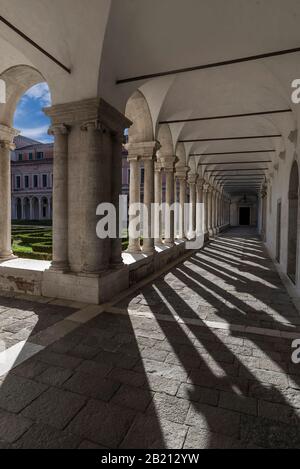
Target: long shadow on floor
(80,391)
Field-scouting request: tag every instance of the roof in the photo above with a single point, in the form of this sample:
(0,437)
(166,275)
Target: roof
(20,141)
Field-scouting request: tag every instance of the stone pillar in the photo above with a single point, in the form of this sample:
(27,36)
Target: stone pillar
(146,152)
(134,200)
(213,211)
(200,206)
(210,209)
(205,198)
(192,179)
(60,197)
(116,260)
(181,176)
(264,213)
(169,240)
(167,163)
(157,201)
(7,135)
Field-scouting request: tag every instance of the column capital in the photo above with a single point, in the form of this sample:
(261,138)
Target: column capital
(7,135)
(89,110)
(181,172)
(200,182)
(142,150)
(192,178)
(206,187)
(167,162)
(59,129)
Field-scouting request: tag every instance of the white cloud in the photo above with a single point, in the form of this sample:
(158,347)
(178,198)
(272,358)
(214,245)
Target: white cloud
(36,133)
(39,92)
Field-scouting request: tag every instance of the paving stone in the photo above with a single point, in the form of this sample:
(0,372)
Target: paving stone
(58,359)
(149,432)
(30,369)
(279,412)
(92,386)
(203,439)
(128,377)
(214,419)
(55,407)
(239,403)
(159,355)
(198,394)
(169,407)
(41,436)
(162,369)
(94,368)
(268,433)
(12,426)
(102,423)
(54,376)
(85,444)
(132,397)
(160,384)
(17,392)
(115,359)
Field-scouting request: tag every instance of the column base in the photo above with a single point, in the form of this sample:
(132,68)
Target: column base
(169,243)
(7,256)
(84,287)
(58,266)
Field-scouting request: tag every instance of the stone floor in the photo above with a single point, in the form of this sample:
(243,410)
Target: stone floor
(198,358)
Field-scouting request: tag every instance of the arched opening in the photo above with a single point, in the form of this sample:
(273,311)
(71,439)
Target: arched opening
(35,208)
(31,155)
(18,209)
(293,222)
(26,208)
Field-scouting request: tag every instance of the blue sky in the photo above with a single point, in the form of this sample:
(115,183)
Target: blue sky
(29,117)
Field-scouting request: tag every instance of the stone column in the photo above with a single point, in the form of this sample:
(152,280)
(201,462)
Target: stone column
(213,211)
(134,200)
(210,209)
(168,167)
(116,260)
(181,176)
(157,201)
(264,213)
(7,135)
(60,197)
(205,197)
(200,206)
(146,152)
(192,179)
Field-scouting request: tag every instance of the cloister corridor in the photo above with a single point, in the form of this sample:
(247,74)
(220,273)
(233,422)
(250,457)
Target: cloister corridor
(199,357)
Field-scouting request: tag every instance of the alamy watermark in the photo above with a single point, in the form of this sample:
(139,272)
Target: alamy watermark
(159,220)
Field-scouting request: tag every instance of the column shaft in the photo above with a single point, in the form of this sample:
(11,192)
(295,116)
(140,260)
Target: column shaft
(60,198)
(157,201)
(134,200)
(5,197)
(148,240)
(169,222)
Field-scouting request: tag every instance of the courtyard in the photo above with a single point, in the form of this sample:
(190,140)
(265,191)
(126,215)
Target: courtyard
(199,357)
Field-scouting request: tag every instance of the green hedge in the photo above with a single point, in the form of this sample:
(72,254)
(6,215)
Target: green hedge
(34,255)
(42,248)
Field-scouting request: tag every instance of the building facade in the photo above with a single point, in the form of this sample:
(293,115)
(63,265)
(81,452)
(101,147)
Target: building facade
(32,178)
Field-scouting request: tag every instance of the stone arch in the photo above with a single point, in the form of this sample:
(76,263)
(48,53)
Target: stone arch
(138,112)
(26,208)
(293,197)
(44,207)
(18,208)
(35,208)
(18,80)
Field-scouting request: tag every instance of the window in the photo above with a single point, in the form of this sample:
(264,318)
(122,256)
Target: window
(35,181)
(26,181)
(45,180)
(20,157)
(142,175)
(39,155)
(30,156)
(18,182)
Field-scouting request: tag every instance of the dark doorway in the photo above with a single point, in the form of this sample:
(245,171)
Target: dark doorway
(244,215)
